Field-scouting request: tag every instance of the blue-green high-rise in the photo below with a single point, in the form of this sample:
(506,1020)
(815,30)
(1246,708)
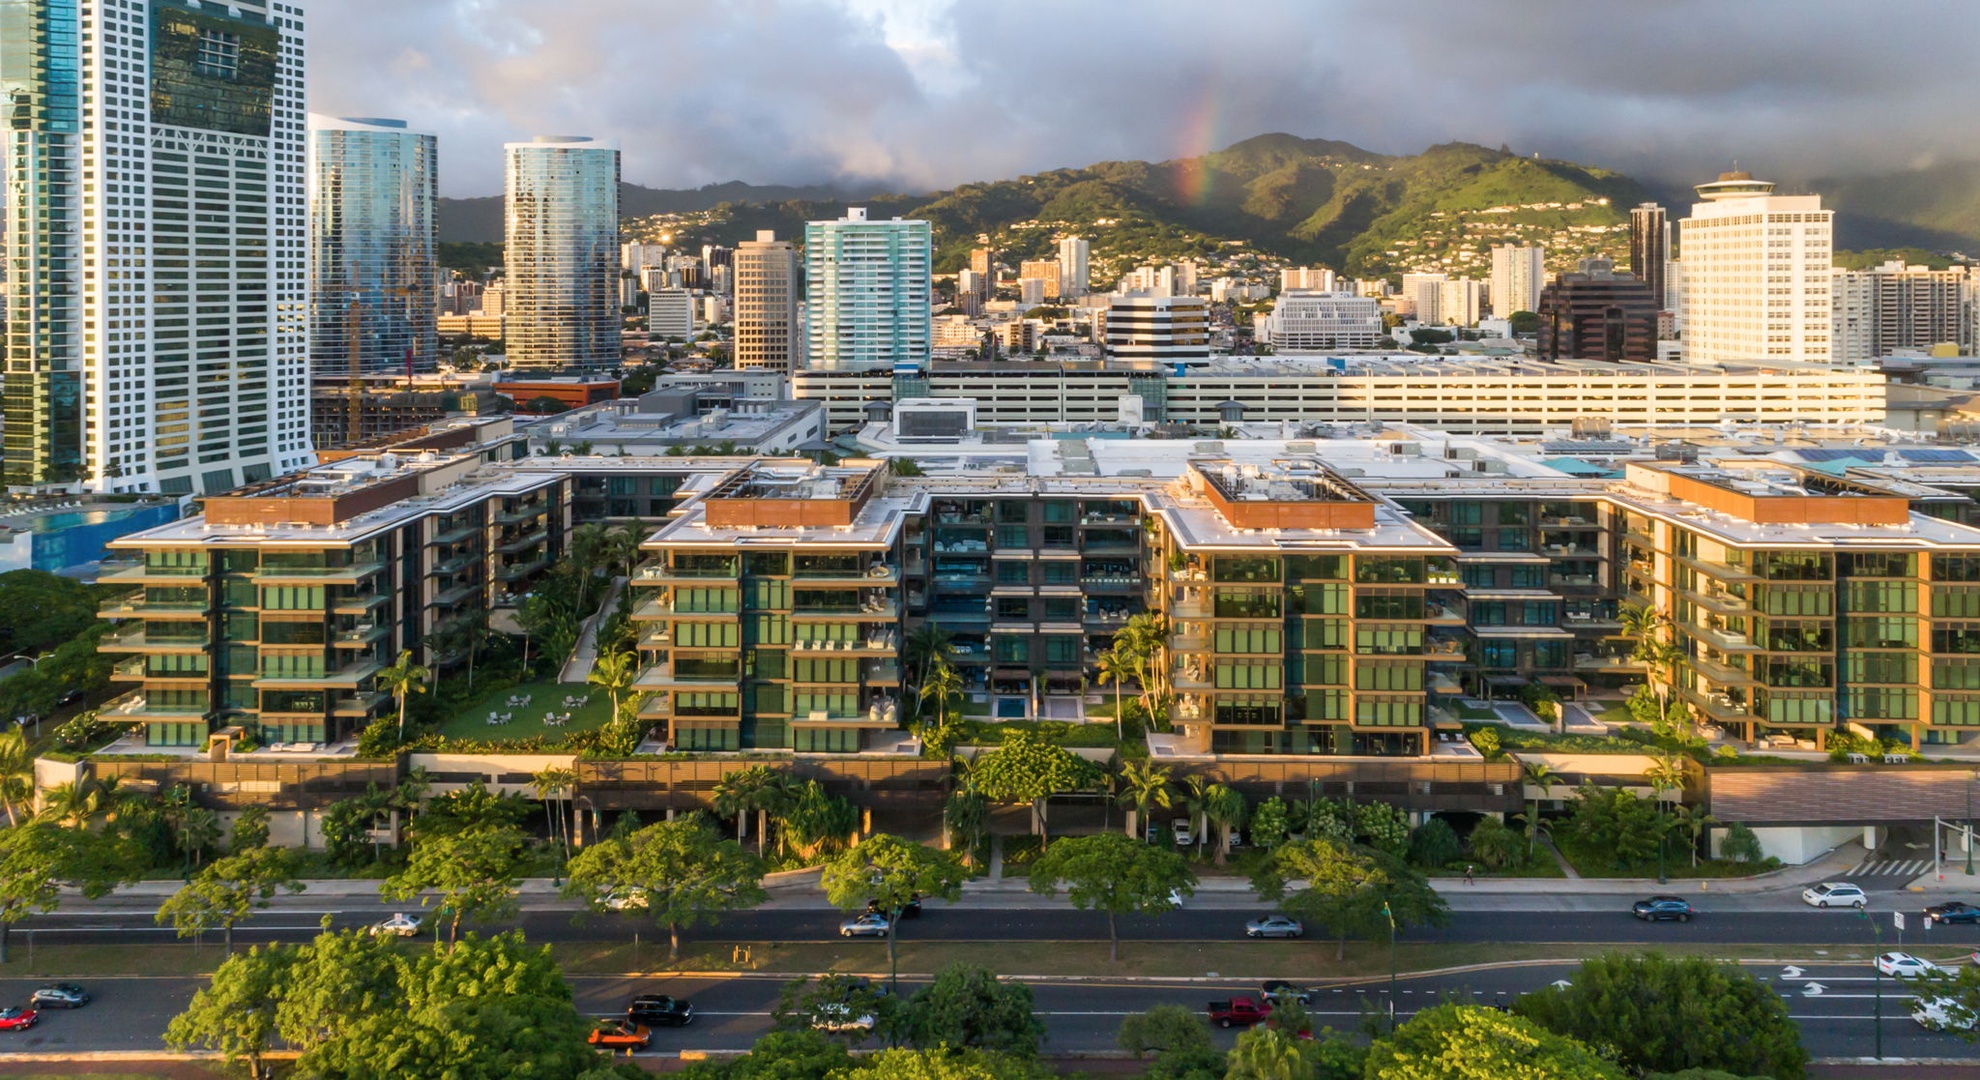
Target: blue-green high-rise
(560,298)
(866,292)
(374,246)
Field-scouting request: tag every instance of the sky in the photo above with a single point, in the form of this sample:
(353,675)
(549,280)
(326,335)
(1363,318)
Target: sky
(925,94)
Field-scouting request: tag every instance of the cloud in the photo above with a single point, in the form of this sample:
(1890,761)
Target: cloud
(928,93)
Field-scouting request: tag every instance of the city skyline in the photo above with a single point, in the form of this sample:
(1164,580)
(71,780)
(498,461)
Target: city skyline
(892,90)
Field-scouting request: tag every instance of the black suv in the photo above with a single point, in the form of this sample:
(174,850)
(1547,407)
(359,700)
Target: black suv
(1658,908)
(659,1010)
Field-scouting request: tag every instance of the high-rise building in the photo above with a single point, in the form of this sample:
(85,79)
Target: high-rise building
(1303,321)
(1598,314)
(766,302)
(1317,279)
(562,253)
(1045,272)
(983,263)
(867,291)
(1518,274)
(154,238)
(1425,293)
(670,313)
(374,246)
(1756,274)
(1878,311)
(1460,301)
(1650,246)
(1166,329)
(1074,253)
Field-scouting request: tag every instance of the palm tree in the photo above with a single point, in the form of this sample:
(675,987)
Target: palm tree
(1144,784)
(1666,773)
(1111,667)
(1146,640)
(1223,809)
(966,815)
(588,543)
(1541,776)
(779,796)
(615,671)
(16,772)
(1695,819)
(1648,629)
(1196,801)
(942,685)
(926,645)
(622,548)
(550,784)
(739,792)
(402,680)
(74,803)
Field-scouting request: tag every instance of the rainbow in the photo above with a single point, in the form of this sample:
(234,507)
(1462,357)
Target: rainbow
(1197,137)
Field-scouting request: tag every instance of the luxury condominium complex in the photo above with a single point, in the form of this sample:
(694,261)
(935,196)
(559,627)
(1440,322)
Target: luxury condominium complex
(374,246)
(560,297)
(155,239)
(867,290)
(1330,597)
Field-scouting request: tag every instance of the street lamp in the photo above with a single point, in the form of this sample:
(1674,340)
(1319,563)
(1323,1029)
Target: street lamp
(1877,1010)
(1970,777)
(1391,916)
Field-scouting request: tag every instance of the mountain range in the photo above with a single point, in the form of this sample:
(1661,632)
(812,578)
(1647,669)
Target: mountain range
(1312,200)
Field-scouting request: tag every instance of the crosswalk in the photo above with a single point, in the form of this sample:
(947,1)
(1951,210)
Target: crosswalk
(1909,868)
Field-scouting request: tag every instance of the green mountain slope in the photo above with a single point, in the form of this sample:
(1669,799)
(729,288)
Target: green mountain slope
(1936,207)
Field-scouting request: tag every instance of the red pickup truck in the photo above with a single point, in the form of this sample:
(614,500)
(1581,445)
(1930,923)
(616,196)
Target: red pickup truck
(1236,1011)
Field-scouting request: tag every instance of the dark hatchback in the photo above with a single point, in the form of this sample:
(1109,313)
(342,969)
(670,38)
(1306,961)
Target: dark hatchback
(659,1010)
(1659,908)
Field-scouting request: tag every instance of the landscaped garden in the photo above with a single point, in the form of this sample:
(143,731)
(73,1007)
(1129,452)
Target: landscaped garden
(540,699)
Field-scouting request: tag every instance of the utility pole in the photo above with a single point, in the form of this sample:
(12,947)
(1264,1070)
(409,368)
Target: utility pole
(1391,916)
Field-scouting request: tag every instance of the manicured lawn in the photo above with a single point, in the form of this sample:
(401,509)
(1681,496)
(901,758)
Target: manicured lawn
(545,697)
(1062,732)
(1677,864)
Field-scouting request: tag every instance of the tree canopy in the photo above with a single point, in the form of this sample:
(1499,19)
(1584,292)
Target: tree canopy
(1355,892)
(683,870)
(968,1007)
(1471,1042)
(1114,874)
(1027,767)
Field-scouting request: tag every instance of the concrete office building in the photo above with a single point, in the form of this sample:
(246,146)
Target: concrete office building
(1518,275)
(670,313)
(1878,311)
(1757,270)
(1074,256)
(1043,271)
(561,291)
(374,246)
(766,308)
(149,348)
(1163,329)
(867,292)
(1308,322)
(1650,247)
(1315,279)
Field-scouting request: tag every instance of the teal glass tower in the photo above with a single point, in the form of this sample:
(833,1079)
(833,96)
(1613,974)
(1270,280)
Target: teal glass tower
(374,246)
(867,292)
(561,294)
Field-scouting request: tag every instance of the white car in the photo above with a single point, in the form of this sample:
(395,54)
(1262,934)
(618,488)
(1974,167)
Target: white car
(1906,966)
(399,925)
(630,899)
(1179,828)
(1942,1014)
(870,924)
(838,1016)
(1834,894)
(1175,898)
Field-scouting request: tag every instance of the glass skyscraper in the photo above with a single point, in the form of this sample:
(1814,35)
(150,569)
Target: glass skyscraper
(154,292)
(866,292)
(560,296)
(374,246)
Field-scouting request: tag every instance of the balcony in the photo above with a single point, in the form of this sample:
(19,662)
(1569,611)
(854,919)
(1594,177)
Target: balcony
(350,674)
(356,603)
(357,637)
(517,571)
(1720,601)
(1606,662)
(1724,640)
(880,673)
(879,644)
(317,575)
(139,639)
(872,609)
(140,573)
(511,542)
(1442,615)
(136,606)
(454,534)
(667,677)
(137,705)
(522,513)
(455,564)
(1192,607)
(853,572)
(363,703)
(1188,677)
(1722,674)
(456,593)
(1443,651)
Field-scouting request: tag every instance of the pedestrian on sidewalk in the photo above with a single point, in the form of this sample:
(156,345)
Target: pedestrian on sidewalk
(1467,874)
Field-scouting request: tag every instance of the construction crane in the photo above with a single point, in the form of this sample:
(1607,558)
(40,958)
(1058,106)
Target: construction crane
(354,388)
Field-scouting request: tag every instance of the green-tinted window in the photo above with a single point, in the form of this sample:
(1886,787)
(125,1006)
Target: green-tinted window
(830,702)
(1878,667)
(698,703)
(772,594)
(769,664)
(1013,536)
(287,665)
(1060,573)
(820,670)
(771,629)
(715,739)
(1388,676)
(695,600)
(1246,604)
(1956,712)
(1388,640)
(1013,511)
(1245,568)
(292,597)
(1880,564)
(706,635)
(1800,710)
(1376,570)
(1383,604)
(1248,676)
(1794,565)
(770,697)
(1323,633)
(1014,572)
(1796,671)
(1951,602)
(1957,674)
(1323,599)
(806,740)
(1058,511)
(1011,648)
(1316,568)
(1250,639)
(1789,600)
(1883,703)
(1326,669)
(767,563)
(1061,649)
(1956,567)
(1883,596)
(1062,609)
(1883,632)
(1388,712)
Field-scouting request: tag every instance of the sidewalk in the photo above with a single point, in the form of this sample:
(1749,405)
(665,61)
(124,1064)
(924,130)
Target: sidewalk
(1788,878)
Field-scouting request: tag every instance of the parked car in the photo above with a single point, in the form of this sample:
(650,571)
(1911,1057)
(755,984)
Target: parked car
(1274,926)
(838,1016)
(1278,988)
(1834,894)
(17,1018)
(1906,966)
(1238,1011)
(1175,898)
(628,899)
(612,1033)
(1235,838)
(1153,832)
(60,996)
(73,697)
(1179,829)
(399,925)
(1953,911)
(1942,1014)
(659,1010)
(867,925)
(910,910)
(1659,908)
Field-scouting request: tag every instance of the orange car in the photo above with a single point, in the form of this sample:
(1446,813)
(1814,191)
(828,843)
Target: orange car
(614,1034)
